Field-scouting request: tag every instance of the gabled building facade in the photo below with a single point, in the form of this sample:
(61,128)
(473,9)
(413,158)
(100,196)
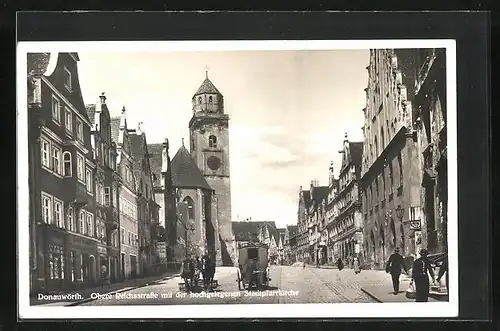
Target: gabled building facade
(347,225)
(330,212)
(127,198)
(147,208)
(430,102)
(289,244)
(107,216)
(391,178)
(316,214)
(302,236)
(62,172)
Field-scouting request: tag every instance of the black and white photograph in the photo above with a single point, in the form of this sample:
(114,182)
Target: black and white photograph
(237,179)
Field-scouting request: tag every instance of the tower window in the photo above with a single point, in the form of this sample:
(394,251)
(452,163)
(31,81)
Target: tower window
(199,100)
(210,99)
(212,141)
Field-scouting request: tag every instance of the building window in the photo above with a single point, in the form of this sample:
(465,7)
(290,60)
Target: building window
(45,150)
(71,220)
(212,141)
(199,100)
(79,129)
(73,266)
(58,213)
(382,139)
(100,193)
(56,110)
(391,177)
(107,196)
(400,165)
(88,178)
(67,164)
(80,168)
(46,208)
(82,222)
(122,234)
(210,99)
(56,262)
(67,79)
(90,228)
(56,160)
(69,119)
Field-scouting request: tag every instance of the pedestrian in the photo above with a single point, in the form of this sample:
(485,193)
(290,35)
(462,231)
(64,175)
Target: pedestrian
(443,269)
(104,274)
(420,275)
(340,265)
(394,266)
(357,268)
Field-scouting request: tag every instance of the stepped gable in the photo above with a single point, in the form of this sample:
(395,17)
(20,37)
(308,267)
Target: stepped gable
(185,173)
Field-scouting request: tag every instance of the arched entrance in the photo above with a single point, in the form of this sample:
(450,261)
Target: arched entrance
(403,243)
(373,252)
(393,232)
(382,245)
(92,269)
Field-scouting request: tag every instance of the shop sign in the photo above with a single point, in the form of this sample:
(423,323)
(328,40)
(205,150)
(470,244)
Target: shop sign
(415,225)
(161,248)
(101,250)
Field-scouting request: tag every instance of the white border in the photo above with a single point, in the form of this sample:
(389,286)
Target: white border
(343,310)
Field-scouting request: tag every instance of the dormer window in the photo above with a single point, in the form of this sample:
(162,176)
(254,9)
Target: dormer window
(67,79)
(212,141)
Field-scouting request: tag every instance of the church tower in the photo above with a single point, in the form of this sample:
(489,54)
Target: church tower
(209,147)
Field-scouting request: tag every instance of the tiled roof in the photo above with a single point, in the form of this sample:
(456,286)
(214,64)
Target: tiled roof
(356,151)
(320,193)
(91,113)
(155,161)
(207,87)
(307,197)
(37,63)
(185,173)
(115,129)
(292,229)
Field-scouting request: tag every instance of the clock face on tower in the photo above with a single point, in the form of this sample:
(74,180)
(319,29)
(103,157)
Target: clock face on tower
(213,163)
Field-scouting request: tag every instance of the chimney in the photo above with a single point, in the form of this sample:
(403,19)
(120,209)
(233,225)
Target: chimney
(139,128)
(164,157)
(123,119)
(103,98)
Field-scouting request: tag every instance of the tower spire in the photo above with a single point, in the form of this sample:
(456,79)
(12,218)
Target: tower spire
(206,71)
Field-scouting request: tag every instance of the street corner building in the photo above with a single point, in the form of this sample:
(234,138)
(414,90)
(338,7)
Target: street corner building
(66,241)
(404,113)
(198,178)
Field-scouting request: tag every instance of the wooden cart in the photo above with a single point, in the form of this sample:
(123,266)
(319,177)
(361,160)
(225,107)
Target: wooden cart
(253,269)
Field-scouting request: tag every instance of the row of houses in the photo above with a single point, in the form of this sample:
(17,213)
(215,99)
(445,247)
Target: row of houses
(92,202)
(391,190)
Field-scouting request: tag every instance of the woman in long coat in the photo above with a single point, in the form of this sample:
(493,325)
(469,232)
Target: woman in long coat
(357,267)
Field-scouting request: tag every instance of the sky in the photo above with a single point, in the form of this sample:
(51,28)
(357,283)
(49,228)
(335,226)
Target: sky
(289,112)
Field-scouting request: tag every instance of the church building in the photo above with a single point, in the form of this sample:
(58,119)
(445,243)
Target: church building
(200,178)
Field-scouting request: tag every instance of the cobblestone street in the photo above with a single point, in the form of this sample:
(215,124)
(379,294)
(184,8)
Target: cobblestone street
(313,286)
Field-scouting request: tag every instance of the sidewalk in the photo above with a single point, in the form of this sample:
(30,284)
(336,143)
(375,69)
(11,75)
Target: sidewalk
(385,292)
(80,296)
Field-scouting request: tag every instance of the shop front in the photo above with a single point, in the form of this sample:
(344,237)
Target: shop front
(51,273)
(83,261)
(113,255)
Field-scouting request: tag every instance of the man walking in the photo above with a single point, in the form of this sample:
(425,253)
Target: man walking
(421,270)
(394,266)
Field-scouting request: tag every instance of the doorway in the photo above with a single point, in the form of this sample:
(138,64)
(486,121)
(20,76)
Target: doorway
(133,266)
(122,265)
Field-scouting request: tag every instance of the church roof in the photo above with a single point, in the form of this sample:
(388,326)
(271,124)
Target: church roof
(207,87)
(185,173)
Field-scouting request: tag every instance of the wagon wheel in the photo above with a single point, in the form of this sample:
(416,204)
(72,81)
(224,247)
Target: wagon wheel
(238,279)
